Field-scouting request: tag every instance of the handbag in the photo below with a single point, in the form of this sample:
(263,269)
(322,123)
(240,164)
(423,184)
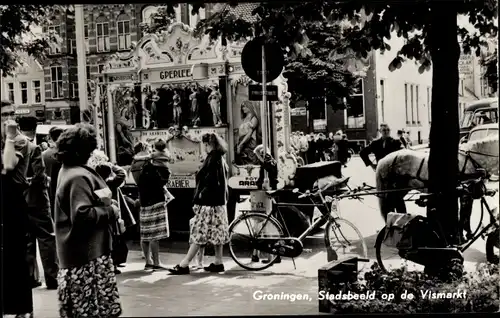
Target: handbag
(168,196)
(119,253)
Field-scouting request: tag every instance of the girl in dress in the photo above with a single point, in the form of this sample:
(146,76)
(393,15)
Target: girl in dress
(210,224)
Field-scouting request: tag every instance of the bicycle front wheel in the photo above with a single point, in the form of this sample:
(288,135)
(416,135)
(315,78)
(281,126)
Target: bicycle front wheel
(344,238)
(244,231)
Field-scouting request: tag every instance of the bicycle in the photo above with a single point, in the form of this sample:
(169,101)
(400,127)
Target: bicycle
(266,234)
(434,247)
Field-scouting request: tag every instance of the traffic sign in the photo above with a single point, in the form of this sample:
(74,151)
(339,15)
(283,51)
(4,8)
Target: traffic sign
(251,60)
(255,93)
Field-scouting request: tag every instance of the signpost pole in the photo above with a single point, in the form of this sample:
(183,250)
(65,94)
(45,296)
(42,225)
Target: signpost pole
(264,125)
(263,112)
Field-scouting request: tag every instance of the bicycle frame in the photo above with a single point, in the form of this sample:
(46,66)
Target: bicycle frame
(485,229)
(324,215)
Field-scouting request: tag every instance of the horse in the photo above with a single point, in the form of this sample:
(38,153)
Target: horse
(408,169)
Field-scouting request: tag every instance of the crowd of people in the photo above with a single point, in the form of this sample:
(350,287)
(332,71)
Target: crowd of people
(318,147)
(68,197)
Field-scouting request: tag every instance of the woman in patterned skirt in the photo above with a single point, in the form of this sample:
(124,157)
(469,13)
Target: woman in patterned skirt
(210,224)
(84,214)
(153,215)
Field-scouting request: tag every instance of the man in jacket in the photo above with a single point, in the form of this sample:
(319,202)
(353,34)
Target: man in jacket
(52,166)
(380,147)
(37,198)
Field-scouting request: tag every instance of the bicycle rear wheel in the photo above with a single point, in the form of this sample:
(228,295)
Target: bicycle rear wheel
(345,240)
(388,257)
(244,231)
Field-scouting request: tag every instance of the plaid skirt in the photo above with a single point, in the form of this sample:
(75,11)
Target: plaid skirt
(209,225)
(89,290)
(154,222)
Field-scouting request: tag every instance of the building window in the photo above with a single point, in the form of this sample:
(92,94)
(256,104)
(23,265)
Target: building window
(72,46)
(185,14)
(429,102)
(56,82)
(417,105)
(11,92)
(55,48)
(24,92)
(124,39)
(485,89)
(412,102)
(356,108)
(102,36)
(382,99)
(406,105)
(73,90)
(37,92)
(88,72)
(86,34)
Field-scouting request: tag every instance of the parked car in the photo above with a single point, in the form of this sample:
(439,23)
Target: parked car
(480,132)
(481,112)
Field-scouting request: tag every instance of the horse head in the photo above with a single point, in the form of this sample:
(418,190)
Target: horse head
(481,153)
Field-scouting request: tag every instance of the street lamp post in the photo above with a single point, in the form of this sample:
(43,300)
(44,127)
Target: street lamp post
(81,58)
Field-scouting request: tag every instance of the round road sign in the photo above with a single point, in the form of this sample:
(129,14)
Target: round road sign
(251,60)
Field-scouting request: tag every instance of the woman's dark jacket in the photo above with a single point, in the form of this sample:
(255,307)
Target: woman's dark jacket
(211,181)
(153,177)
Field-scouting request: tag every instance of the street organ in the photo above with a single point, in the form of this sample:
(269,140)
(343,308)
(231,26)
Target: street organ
(178,87)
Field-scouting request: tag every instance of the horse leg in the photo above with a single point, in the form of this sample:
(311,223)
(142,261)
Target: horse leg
(385,206)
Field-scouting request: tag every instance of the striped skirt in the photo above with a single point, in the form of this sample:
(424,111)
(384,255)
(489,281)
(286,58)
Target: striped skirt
(154,222)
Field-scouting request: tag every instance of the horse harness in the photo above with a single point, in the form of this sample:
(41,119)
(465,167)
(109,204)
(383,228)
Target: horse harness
(419,171)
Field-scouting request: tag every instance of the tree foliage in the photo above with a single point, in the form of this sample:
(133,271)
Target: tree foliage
(16,33)
(310,71)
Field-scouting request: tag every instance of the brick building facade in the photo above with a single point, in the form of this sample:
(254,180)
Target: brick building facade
(108,28)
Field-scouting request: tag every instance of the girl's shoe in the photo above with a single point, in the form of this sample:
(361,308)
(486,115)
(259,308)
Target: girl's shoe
(178,270)
(214,268)
(255,258)
(149,267)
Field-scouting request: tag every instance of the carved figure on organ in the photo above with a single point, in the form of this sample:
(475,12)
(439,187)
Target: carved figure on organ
(214,100)
(195,116)
(176,100)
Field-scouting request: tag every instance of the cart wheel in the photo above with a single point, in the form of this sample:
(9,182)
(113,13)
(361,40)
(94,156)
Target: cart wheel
(389,258)
(345,240)
(492,246)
